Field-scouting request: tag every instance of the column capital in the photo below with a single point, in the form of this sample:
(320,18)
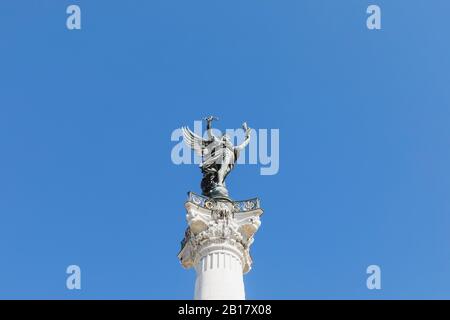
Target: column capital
(219,224)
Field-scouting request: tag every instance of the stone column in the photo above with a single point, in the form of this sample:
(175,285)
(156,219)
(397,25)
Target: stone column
(217,244)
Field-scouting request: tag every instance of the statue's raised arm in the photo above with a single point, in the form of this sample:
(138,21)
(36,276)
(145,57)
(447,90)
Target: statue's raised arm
(247,131)
(209,132)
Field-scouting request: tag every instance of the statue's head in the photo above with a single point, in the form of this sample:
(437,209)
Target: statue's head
(226,138)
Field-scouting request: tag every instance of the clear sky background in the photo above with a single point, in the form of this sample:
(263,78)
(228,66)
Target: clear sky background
(86,116)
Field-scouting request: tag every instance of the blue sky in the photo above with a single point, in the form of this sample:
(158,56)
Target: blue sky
(86,116)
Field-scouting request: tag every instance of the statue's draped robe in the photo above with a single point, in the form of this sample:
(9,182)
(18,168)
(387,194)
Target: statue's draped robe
(220,155)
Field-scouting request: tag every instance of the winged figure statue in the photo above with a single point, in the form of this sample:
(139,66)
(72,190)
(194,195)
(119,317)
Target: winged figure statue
(219,157)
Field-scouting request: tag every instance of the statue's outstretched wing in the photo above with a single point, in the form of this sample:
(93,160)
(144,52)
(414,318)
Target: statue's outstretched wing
(196,142)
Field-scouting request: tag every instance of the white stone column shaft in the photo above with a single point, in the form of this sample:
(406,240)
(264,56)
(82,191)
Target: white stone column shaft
(219,276)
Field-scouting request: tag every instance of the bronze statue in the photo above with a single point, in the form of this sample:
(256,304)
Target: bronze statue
(219,156)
